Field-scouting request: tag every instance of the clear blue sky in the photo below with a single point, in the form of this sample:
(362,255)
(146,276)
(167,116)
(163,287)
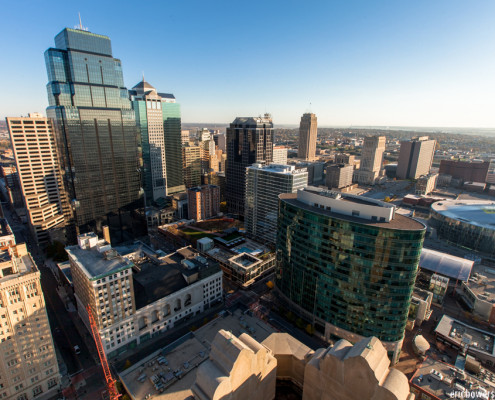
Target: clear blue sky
(407,63)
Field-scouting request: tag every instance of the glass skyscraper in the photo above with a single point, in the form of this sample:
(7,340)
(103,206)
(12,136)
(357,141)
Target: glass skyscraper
(96,132)
(158,119)
(347,264)
(249,140)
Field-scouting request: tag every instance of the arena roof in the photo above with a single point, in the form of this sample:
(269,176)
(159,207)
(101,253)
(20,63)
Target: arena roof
(445,264)
(474,212)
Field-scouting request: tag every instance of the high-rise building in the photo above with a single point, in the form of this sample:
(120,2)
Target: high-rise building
(339,176)
(415,157)
(249,140)
(28,363)
(13,187)
(220,141)
(344,158)
(191,164)
(203,202)
(264,184)
(96,132)
(152,119)
(280,155)
(348,264)
(308,129)
(40,176)
(371,160)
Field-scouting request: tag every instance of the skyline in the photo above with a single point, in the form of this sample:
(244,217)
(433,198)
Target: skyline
(358,64)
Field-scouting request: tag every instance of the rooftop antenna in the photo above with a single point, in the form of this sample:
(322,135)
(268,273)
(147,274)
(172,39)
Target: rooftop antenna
(80,23)
(80,26)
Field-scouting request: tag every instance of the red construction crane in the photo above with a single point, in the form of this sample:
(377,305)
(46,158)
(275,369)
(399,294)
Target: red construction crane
(112,389)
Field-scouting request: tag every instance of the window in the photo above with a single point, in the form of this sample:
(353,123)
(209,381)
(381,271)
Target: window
(355,213)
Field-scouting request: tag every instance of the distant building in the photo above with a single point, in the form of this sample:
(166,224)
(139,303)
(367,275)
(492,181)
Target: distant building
(191,163)
(308,130)
(426,184)
(249,140)
(339,175)
(220,141)
(28,363)
(184,137)
(316,227)
(471,171)
(371,160)
(343,158)
(13,186)
(130,306)
(415,157)
(280,155)
(203,202)
(35,150)
(264,184)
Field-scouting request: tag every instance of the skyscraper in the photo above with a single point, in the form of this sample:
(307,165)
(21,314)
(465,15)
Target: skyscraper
(264,184)
(28,363)
(191,164)
(152,118)
(339,176)
(371,160)
(33,142)
(203,202)
(348,264)
(249,140)
(308,129)
(415,157)
(96,131)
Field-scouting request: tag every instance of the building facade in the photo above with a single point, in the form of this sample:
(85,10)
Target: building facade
(339,176)
(203,202)
(466,171)
(40,175)
(191,164)
(308,130)
(415,157)
(152,117)
(371,160)
(264,184)
(426,184)
(249,140)
(280,155)
(347,264)
(135,301)
(95,130)
(28,363)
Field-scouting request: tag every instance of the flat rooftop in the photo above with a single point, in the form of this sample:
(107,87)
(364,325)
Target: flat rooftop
(95,264)
(399,222)
(184,356)
(427,377)
(155,279)
(474,212)
(460,333)
(482,282)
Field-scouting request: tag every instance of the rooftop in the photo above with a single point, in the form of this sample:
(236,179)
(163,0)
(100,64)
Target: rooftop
(475,212)
(279,169)
(445,264)
(398,221)
(184,356)
(482,282)
(441,379)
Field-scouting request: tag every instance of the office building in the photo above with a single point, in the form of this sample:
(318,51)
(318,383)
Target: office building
(184,137)
(308,129)
(344,158)
(96,132)
(280,155)
(249,140)
(264,184)
(133,301)
(28,363)
(40,176)
(426,184)
(339,176)
(191,164)
(203,202)
(347,264)
(13,187)
(415,157)
(466,171)
(371,160)
(220,141)
(155,114)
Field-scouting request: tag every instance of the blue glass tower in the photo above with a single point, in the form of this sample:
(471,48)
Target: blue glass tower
(96,131)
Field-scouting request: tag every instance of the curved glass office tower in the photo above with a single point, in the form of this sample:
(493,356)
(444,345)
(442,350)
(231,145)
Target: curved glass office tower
(348,264)
(96,132)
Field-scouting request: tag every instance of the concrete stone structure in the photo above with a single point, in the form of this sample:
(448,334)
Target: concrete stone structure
(339,176)
(472,171)
(371,160)
(308,129)
(35,150)
(344,158)
(426,184)
(415,157)
(203,202)
(28,364)
(238,369)
(280,155)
